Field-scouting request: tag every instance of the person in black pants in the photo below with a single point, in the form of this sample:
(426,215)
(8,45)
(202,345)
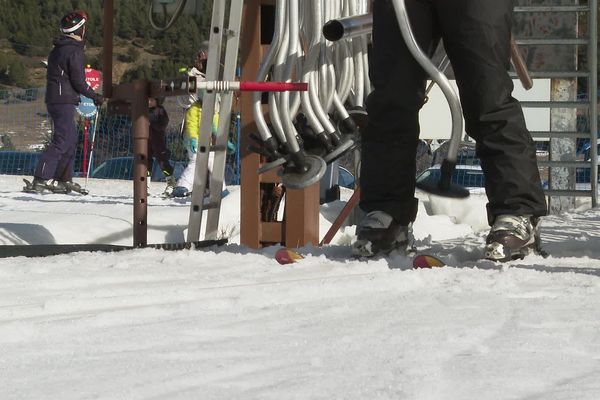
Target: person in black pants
(65,83)
(476,37)
(157,143)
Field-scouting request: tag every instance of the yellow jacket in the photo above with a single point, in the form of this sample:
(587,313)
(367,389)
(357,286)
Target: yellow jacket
(193,119)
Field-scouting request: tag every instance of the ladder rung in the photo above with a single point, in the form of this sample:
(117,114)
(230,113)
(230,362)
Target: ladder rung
(536,9)
(210,205)
(554,74)
(216,148)
(556,41)
(555,134)
(565,192)
(555,104)
(565,164)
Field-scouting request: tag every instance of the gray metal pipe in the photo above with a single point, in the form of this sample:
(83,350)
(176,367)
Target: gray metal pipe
(344,28)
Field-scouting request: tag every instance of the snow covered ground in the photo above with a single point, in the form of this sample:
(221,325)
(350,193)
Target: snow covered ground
(231,323)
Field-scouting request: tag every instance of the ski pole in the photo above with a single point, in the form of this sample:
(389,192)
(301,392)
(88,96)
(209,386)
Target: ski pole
(87,174)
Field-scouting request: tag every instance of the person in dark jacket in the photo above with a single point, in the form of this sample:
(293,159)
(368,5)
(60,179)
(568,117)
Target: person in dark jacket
(65,83)
(157,143)
(476,36)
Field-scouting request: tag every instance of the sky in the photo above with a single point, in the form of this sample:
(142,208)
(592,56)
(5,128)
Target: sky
(229,322)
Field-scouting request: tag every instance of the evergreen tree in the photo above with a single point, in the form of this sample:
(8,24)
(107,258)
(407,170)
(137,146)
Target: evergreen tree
(31,25)
(13,71)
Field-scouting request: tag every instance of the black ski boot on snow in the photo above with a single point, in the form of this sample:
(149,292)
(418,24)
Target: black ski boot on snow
(74,187)
(171,184)
(379,234)
(513,237)
(40,185)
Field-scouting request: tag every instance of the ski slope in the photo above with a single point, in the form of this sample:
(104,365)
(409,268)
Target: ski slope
(231,323)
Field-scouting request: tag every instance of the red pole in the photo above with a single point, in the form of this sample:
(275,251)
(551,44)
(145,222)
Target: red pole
(249,86)
(273,86)
(86,124)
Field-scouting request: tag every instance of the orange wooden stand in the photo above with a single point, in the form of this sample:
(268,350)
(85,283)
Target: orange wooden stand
(300,224)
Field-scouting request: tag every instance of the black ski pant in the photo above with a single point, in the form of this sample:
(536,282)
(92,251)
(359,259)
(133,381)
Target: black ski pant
(157,148)
(57,160)
(476,37)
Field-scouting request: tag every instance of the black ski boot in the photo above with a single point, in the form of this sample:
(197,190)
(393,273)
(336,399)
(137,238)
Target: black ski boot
(171,184)
(74,187)
(40,185)
(180,192)
(379,234)
(513,237)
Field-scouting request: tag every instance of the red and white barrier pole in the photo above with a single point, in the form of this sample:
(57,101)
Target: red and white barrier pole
(229,86)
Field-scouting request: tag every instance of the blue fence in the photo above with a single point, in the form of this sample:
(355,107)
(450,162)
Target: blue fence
(25,130)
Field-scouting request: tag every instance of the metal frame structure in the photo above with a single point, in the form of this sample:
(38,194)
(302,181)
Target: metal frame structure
(591,104)
(362,24)
(132,98)
(249,23)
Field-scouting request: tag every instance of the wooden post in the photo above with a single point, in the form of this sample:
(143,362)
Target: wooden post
(132,99)
(141,133)
(250,219)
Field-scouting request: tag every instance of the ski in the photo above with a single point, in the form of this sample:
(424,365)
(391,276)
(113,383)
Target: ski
(70,187)
(418,260)
(427,261)
(45,250)
(287,256)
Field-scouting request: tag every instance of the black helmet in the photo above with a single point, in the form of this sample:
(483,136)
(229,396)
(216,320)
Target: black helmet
(73,21)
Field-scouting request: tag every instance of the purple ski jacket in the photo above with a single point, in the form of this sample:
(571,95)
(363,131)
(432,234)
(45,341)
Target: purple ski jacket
(66,73)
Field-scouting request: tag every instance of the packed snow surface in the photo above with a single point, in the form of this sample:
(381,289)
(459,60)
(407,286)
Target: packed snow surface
(229,322)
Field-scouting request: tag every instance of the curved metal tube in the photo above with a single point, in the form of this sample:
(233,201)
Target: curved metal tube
(267,62)
(436,75)
(347,74)
(359,73)
(365,58)
(310,67)
(292,59)
(278,73)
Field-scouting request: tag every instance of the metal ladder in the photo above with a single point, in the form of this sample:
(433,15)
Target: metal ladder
(590,104)
(222,12)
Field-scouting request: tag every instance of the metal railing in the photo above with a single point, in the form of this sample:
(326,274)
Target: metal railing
(585,102)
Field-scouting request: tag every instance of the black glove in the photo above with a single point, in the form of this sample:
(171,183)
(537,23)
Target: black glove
(98,100)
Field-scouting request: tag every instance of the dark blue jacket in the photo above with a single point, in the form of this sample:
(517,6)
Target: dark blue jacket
(159,120)
(66,73)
